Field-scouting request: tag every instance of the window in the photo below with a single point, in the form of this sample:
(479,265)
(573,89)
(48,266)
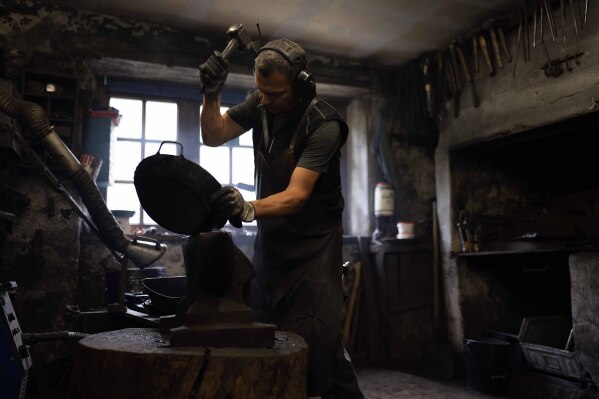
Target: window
(144,125)
(232,163)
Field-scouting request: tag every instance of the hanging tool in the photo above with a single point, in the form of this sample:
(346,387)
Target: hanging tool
(452,87)
(495,47)
(574,17)
(458,84)
(580,14)
(504,46)
(517,46)
(485,50)
(567,62)
(468,75)
(475,53)
(563,8)
(454,64)
(552,68)
(586,11)
(441,84)
(550,19)
(461,225)
(450,79)
(534,25)
(526,39)
(450,83)
(541,23)
(427,88)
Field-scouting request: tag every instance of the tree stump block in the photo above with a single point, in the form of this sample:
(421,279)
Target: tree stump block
(138,363)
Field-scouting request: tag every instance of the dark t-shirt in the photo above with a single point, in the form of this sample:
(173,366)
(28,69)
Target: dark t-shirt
(320,147)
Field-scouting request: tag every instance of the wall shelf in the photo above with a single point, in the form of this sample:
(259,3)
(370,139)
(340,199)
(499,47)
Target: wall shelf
(58,95)
(532,247)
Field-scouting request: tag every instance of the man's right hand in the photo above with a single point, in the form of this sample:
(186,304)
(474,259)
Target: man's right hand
(228,203)
(213,73)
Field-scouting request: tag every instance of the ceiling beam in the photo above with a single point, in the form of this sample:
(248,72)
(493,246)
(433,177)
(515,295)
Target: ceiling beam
(121,68)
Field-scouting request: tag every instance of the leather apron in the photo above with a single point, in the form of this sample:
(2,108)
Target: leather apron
(298,264)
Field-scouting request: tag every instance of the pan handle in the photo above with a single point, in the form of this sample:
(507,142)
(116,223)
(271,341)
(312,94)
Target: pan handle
(171,142)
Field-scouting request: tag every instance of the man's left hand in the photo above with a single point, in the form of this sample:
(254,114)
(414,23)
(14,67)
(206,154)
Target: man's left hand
(228,203)
(213,73)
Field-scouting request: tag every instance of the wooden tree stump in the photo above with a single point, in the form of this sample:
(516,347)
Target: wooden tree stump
(137,363)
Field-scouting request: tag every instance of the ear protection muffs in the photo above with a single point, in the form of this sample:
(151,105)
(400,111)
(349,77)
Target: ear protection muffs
(302,81)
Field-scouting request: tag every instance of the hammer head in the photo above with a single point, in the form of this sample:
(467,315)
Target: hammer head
(241,36)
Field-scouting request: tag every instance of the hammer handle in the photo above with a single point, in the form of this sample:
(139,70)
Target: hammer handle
(229,49)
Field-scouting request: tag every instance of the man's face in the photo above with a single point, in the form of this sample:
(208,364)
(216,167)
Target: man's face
(276,93)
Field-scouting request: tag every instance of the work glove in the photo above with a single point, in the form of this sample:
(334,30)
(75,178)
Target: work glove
(213,73)
(228,203)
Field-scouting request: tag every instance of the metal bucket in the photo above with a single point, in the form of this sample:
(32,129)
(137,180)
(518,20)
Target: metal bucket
(165,293)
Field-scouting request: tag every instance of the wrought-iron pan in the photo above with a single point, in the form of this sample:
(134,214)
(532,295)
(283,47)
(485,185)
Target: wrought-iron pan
(174,191)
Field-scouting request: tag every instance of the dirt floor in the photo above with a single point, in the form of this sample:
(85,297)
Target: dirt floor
(387,384)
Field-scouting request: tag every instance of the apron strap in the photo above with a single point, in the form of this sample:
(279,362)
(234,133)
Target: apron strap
(265,134)
(265,137)
(301,124)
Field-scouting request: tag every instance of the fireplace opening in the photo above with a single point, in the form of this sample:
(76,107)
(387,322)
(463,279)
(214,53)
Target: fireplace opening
(538,188)
(521,206)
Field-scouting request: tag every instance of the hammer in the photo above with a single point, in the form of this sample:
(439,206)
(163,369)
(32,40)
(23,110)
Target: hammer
(239,39)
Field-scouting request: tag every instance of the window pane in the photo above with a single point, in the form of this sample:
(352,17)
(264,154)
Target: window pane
(161,120)
(168,149)
(246,138)
(216,161)
(130,125)
(122,196)
(243,166)
(127,157)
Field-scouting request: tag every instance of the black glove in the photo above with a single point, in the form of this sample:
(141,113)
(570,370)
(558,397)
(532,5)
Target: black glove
(213,73)
(228,203)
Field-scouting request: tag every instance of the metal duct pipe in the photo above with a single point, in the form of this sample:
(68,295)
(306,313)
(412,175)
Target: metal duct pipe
(141,252)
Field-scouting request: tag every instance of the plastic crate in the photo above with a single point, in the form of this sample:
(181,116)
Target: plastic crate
(543,341)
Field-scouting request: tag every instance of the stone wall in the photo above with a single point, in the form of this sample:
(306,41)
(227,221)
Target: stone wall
(585,303)
(41,254)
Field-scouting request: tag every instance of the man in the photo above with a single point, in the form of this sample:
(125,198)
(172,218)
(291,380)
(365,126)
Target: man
(297,253)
